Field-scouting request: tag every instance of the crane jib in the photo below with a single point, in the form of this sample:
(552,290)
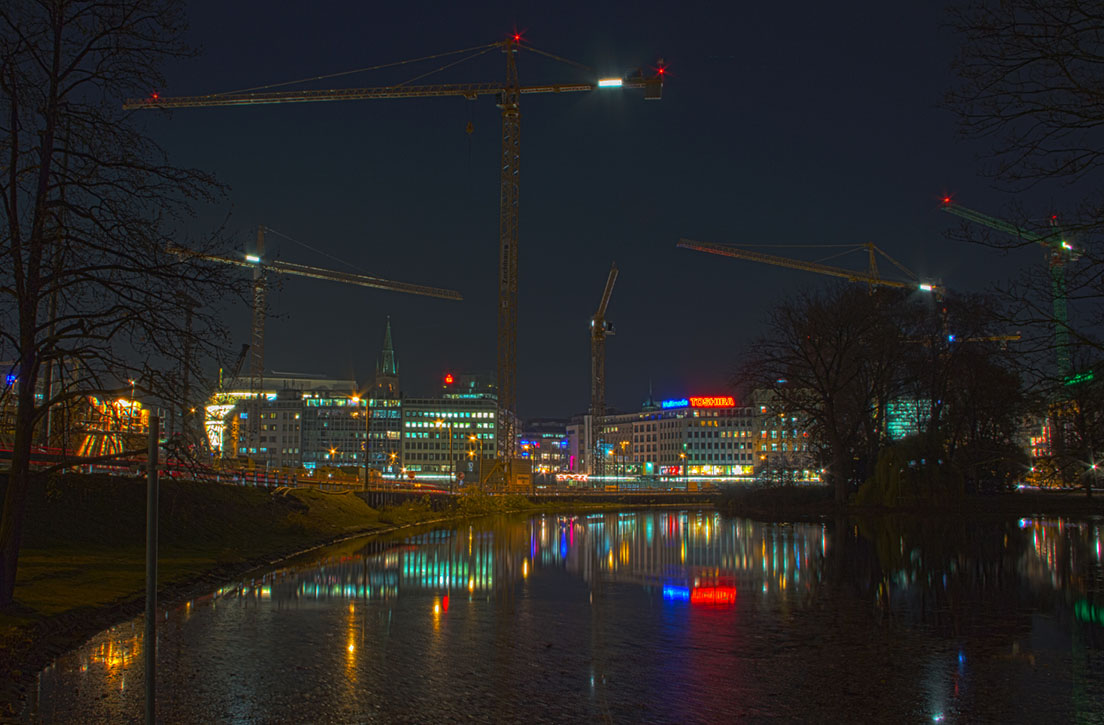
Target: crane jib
(464,90)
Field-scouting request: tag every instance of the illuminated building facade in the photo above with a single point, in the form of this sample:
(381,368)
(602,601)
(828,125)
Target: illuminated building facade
(281,436)
(696,436)
(907,417)
(545,444)
(334,430)
(781,443)
(428,424)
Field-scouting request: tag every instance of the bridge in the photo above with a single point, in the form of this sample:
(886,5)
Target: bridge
(378,497)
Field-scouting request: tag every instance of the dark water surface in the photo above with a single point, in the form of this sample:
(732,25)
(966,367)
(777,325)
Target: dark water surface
(639,616)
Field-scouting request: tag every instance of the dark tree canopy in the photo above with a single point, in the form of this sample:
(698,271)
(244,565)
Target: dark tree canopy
(89,298)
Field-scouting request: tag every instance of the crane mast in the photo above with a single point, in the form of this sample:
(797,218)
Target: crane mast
(1059,253)
(599,329)
(508,96)
(509,103)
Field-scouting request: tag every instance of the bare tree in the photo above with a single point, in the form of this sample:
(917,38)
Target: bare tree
(829,358)
(89,298)
(1030,81)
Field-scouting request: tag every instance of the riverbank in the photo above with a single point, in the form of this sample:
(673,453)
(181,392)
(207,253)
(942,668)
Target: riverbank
(817,503)
(82,564)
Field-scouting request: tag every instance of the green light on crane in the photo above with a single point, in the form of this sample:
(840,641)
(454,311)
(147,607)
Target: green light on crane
(1079,378)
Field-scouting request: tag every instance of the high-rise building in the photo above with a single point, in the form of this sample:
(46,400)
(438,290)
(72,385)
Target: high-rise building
(430,423)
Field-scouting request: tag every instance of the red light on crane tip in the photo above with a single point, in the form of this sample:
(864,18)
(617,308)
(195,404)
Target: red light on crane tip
(517,37)
(155,95)
(448,379)
(946,200)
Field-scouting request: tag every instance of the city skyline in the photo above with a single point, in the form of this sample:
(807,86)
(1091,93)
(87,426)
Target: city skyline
(774,128)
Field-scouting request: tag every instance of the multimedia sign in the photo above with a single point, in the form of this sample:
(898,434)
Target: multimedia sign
(714,401)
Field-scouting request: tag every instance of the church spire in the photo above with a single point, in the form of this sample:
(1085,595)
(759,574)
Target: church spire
(386,364)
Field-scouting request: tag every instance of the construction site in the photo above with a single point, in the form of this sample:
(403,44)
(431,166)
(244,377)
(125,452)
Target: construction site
(231,426)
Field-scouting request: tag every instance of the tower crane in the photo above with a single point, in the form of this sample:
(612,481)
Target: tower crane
(599,329)
(870,277)
(507,95)
(260,267)
(1059,253)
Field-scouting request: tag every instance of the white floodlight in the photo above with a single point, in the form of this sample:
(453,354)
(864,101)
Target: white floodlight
(253,258)
(609,83)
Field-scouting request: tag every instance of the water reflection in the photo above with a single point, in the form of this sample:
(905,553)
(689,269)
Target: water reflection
(642,616)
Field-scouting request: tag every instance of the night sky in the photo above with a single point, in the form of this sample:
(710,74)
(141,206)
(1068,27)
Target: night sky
(795,123)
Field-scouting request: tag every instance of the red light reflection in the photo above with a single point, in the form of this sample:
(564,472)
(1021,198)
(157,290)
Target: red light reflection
(713,595)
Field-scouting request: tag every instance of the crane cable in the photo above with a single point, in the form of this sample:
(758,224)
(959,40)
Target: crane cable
(483,48)
(553,56)
(318,251)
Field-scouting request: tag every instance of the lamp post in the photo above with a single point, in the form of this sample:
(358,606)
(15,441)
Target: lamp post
(367,433)
(451,464)
(685,470)
(479,473)
(393,456)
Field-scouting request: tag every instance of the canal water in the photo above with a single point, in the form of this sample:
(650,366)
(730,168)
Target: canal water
(636,616)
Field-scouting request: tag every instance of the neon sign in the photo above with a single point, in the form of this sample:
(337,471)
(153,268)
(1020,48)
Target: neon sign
(710,401)
(718,401)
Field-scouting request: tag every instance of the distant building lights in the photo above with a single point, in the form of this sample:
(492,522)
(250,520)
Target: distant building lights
(609,83)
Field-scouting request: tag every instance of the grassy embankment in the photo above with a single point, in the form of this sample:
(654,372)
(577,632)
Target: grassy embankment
(82,564)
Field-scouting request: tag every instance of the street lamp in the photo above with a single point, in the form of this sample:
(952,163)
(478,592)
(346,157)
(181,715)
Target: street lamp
(682,465)
(451,465)
(393,455)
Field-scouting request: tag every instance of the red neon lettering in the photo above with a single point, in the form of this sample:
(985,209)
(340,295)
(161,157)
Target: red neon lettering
(718,401)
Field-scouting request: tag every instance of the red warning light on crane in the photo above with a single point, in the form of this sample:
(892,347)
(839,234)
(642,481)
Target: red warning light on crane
(448,378)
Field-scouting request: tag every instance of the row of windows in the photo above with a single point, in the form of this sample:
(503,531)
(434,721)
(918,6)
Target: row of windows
(447,414)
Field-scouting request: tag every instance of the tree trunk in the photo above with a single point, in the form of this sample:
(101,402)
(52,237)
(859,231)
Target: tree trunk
(19,478)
